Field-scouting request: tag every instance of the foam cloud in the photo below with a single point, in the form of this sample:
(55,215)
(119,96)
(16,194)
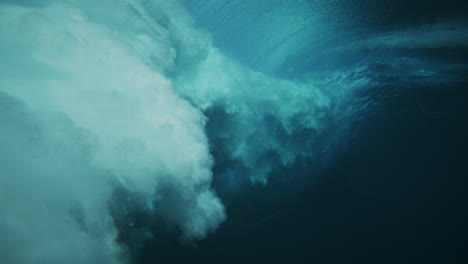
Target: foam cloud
(53,198)
(84,113)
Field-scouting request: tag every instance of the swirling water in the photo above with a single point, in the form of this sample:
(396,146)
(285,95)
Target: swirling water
(144,131)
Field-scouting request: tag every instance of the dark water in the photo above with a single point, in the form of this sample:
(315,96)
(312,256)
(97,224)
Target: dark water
(397,192)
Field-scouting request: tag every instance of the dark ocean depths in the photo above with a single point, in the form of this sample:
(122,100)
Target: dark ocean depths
(396,190)
(243,131)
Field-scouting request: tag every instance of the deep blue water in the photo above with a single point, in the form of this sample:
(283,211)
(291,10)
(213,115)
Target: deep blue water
(253,131)
(396,192)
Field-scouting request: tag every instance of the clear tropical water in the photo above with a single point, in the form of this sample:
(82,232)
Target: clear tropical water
(165,131)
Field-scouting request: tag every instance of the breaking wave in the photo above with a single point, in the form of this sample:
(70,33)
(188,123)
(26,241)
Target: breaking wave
(113,108)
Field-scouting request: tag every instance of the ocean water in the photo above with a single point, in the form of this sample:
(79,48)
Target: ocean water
(255,131)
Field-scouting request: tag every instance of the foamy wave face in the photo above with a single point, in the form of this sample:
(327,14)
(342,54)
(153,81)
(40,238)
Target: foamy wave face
(99,97)
(259,122)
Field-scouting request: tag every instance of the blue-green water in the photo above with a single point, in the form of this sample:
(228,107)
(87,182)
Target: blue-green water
(169,131)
